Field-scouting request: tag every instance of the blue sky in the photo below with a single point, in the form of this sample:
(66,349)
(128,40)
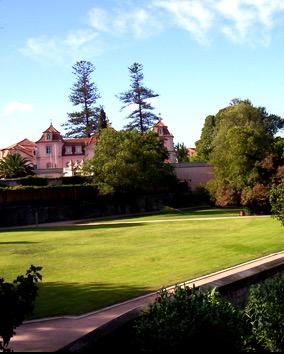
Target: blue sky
(197,55)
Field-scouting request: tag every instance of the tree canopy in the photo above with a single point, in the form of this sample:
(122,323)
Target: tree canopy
(84,94)
(14,166)
(129,161)
(204,144)
(142,117)
(240,143)
(181,151)
(102,120)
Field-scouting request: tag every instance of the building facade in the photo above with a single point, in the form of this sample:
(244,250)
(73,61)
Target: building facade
(162,130)
(54,156)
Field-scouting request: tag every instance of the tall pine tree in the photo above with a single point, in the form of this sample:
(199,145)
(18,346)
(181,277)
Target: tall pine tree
(142,118)
(84,94)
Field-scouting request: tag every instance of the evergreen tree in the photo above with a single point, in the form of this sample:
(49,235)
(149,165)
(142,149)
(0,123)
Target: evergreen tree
(142,118)
(102,120)
(84,93)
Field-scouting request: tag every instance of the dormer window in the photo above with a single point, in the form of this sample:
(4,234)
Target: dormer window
(49,136)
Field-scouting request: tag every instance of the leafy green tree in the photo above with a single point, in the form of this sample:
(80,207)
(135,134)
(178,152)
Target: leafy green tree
(102,120)
(17,301)
(204,144)
(129,161)
(142,118)
(242,150)
(181,151)
(14,166)
(84,93)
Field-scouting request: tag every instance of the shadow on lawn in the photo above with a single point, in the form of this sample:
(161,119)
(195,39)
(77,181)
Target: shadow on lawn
(17,243)
(74,227)
(56,299)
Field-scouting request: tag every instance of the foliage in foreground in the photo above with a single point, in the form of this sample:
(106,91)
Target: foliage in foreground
(190,318)
(265,309)
(203,321)
(17,300)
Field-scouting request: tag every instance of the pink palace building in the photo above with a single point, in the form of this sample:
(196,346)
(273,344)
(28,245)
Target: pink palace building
(54,156)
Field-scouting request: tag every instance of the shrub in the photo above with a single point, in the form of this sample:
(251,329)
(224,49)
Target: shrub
(17,301)
(32,181)
(201,195)
(190,318)
(256,198)
(276,197)
(265,309)
(74,180)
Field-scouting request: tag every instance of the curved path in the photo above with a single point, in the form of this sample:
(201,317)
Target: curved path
(48,335)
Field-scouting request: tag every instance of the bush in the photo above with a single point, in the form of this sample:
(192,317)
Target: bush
(17,301)
(190,318)
(201,195)
(74,180)
(265,309)
(276,197)
(256,198)
(31,181)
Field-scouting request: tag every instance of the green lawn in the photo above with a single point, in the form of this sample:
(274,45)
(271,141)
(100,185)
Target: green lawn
(88,267)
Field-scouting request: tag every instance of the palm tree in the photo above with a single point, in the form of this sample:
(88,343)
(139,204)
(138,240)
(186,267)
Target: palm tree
(14,165)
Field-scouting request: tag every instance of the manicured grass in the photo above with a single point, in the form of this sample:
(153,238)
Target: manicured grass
(88,267)
(181,214)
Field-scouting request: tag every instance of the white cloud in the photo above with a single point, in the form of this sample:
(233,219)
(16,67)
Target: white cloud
(77,39)
(14,106)
(98,19)
(194,16)
(240,21)
(136,21)
(249,21)
(64,50)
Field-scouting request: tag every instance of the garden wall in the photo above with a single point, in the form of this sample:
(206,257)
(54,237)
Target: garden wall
(36,205)
(194,173)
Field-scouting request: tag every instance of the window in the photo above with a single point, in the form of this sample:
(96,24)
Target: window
(48,149)
(49,165)
(160,131)
(78,149)
(48,136)
(68,150)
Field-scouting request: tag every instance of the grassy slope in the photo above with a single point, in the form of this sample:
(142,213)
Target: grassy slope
(88,267)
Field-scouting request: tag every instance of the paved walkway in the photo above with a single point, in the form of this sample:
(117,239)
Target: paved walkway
(48,335)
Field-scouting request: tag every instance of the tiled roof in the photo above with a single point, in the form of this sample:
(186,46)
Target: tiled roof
(161,125)
(85,141)
(26,146)
(51,129)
